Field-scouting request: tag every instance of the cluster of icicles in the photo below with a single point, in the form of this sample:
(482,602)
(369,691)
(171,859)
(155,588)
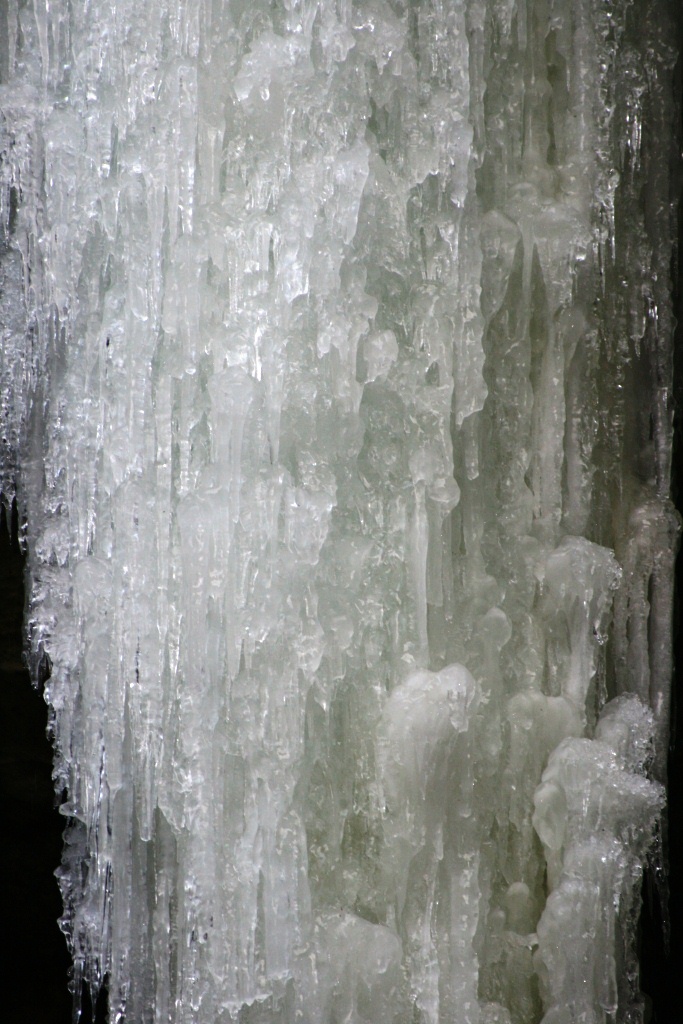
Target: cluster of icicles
(347,549)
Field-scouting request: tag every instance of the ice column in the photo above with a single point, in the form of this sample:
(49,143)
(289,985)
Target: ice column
(336,390)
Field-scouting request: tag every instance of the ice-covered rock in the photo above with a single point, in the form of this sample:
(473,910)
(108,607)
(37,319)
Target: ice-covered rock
(335,369)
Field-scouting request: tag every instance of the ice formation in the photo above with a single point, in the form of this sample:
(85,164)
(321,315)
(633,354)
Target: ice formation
(335,374)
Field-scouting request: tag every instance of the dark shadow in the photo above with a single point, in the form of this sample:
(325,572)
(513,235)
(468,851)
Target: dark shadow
(98,1014)
(35,960)
(661,927)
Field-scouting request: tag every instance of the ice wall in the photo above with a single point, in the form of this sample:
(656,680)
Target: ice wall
(335,372)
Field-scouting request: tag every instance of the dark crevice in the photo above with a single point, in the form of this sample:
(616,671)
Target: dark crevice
(661,923)
(99,1014)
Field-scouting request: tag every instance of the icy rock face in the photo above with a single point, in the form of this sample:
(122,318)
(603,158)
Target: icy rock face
(336,366)
(591,794)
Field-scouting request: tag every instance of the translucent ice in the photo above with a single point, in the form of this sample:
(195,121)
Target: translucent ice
(335,374)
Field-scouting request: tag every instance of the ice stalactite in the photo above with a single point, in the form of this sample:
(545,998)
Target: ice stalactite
(336,375)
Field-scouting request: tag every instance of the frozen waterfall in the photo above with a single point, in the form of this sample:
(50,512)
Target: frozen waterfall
(336,383)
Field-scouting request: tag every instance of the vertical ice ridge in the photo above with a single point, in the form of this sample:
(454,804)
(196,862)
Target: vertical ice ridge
(591,793)
(335,370)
